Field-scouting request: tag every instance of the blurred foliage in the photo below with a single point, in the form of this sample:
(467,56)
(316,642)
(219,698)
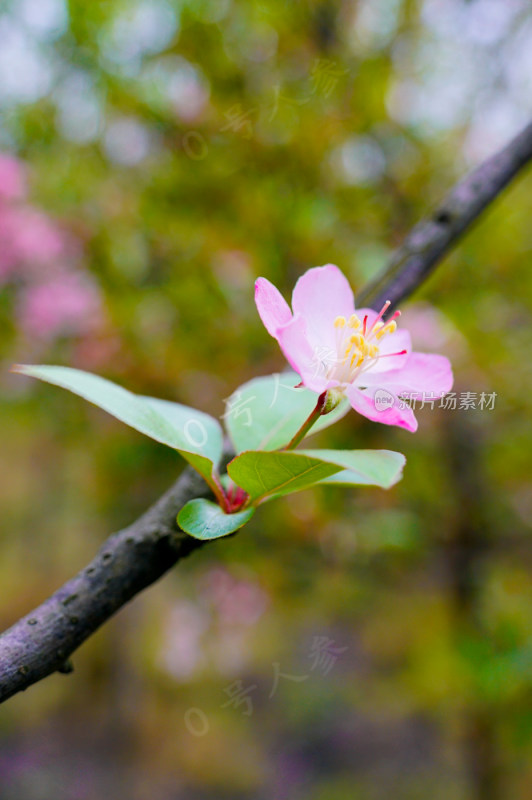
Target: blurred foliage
(182,149)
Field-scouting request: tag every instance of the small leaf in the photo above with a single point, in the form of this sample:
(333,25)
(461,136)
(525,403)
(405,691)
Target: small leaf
(265,413)
(263,474)
(194,434)
(205,520)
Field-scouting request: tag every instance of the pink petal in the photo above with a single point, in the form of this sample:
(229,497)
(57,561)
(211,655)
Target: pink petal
(301,355)
(364,403)
(273,309)
(389,345)
(319,296)
(423,372)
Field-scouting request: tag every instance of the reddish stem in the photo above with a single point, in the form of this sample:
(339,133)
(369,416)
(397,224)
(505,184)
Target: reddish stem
(309,422)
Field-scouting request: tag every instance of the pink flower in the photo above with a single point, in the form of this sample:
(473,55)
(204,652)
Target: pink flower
(69,304)
(357,355)
(32,235)
(28,241)
(12,178)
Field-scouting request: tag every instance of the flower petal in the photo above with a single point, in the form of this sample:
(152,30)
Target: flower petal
(390,344)
(273,309)
(423,372)
(302,356)
(319,296)
(383,406)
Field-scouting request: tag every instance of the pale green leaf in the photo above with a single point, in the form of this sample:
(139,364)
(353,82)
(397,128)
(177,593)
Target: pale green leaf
(266,412)
(195,435)
(205,520)
(202,433)
(381,468)
(263,474)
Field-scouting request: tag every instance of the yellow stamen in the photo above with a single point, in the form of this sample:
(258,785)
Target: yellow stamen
(358,358)
(389,328)
(359,343)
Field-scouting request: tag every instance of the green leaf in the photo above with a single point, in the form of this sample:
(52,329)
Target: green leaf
(197,436)
(205,520)
(382,468)
(263,474)
(265,413)
(202,432)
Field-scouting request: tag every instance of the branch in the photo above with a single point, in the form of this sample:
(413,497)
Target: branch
(433,237)
(42,642)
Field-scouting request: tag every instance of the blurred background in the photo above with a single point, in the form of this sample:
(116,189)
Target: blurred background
(156,156)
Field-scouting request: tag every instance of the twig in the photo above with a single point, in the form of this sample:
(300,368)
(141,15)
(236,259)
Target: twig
(42,642)
(433,237)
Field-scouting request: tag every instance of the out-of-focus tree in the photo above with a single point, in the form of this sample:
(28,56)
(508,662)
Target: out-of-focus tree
(157,157)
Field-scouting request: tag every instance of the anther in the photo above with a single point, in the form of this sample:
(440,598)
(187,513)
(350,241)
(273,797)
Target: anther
(389,328)
(339,322)
(357,339)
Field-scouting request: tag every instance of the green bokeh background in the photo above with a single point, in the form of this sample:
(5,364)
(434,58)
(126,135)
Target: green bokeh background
(326,130)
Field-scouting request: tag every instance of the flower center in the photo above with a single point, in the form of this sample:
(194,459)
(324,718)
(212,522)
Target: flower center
(357,345)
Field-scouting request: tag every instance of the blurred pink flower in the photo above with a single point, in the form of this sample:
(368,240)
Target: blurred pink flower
(244,604)
(427,325)
(31,235)
(12,178)
(29,241)
(182,652)
(189,100)
(357,355)
(237,602)
(230,650)
(215,584)
(68,304)
(54,296)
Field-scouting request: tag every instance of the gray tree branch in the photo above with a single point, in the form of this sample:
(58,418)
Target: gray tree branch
(129,561)
(41,642)
(435,235)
